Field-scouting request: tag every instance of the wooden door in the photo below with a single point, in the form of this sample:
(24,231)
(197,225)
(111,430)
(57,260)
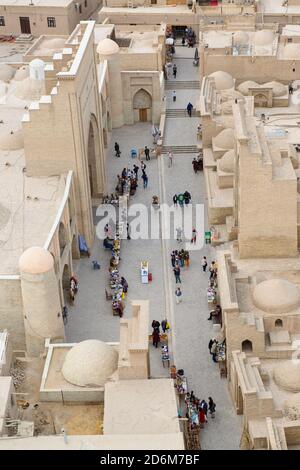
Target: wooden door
(25,25)
(143,114)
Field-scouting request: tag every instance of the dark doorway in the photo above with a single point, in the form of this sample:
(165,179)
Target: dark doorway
(143,115)
(25,25)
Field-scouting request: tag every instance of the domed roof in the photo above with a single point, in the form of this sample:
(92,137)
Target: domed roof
(36,260)
(107,47)
(287,376)
(244,87)
(240,38)
(292,51)
(225,140)
(90,363)
(223,80)
(264,37)
(37,63)
(276,296)
(226,163)
(14,140)
(22,73)
(278,88)
(6,72)
(29,89)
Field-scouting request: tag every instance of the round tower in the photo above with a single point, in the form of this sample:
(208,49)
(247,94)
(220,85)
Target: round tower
(41,301)
(109,50)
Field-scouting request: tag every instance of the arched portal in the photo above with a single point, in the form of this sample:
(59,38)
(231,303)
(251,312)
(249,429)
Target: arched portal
(142,106)
(261,100)
(93,157)
(247,346)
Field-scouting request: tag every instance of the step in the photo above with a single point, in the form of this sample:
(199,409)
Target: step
(173,113)
(187,85)
(180,149)
(24,38)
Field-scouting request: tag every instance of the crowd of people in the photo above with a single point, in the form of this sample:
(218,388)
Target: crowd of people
(156,335)
(182,198)
(198,409)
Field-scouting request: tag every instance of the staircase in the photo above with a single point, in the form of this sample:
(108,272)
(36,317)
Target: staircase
(180,113)
(24,38)
(182,85)
(179,149)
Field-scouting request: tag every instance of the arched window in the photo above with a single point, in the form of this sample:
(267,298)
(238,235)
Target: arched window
(278,323)
(247,345)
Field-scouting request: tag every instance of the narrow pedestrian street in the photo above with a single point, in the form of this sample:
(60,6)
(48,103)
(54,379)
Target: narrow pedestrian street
(91,316)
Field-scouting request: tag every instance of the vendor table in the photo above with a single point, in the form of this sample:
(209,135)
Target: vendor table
(144,272)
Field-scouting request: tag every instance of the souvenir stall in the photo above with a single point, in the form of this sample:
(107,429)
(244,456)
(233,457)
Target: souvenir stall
(181,383)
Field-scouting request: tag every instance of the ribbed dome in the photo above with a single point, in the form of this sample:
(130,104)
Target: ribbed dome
(12,141)
(287,376)
(107,47)
(225,140)
(90,363)
(240,38)
(22,73)
(276,296)
(263,38)
(223,80)
(226,163)
(292,51)
(36,260)
(244,87)
(6,72)
(278,88)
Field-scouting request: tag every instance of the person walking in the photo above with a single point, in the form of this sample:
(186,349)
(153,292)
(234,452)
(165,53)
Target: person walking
(204,406)
(174,70)
(136,170)
(176,271)
(170,159)
(210,344)
(117,149)
(180,199)
(165,325)
(211,407)
(128,232)
(189,109)
(212,270)
(178,295)
(173,259)
(155,337)
(145,180)
(143,166)
(147,153)
(179,234)
(204,263)
(175,200)
(174,95)
(194,236)
(213,351)
(215,313)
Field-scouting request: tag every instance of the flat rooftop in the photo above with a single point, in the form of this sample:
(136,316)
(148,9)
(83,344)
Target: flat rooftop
(291,30)
(221,39)
(28,206)
(150,405)
(275,7)
(37,3)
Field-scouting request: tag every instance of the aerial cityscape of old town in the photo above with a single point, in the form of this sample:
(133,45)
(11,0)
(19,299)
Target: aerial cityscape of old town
(149,225)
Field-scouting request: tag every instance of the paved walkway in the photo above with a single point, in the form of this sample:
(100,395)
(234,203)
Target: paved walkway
(191,329)
(91,316)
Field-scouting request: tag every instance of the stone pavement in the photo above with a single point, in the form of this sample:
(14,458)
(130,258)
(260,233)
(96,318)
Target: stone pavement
(91,316)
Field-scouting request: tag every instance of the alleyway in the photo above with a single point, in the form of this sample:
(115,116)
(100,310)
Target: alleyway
(91,317)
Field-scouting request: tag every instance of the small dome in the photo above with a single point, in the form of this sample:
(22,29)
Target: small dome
(278,88)
(263,38)
(225,140)
(36,260)
(22,73)
(292,51)
(287,376)
(90,363)
(223,80)
(107,47)
(6,72)
(240,38)
(244,87)
(12,141)
(276,296)
(226,163)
